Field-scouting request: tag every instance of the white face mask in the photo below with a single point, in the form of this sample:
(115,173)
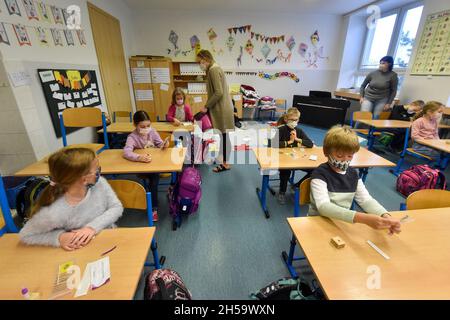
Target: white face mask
(180,102)
(144,131)
(292,124)
(341,165)
(203,67)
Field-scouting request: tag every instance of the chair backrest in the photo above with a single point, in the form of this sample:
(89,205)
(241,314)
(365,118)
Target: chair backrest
(164,135)
(319,94)
(384,115)
(130,193)
(360,115)
(82,117)
(281,103)
(122,114)
(305,192)
(428,199)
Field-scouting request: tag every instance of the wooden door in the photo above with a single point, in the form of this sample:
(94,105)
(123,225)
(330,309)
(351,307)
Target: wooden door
(111,59)
(162,91)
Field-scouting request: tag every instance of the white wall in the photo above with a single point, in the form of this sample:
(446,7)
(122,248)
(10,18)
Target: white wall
(29,101)
(152,30)
(422,87)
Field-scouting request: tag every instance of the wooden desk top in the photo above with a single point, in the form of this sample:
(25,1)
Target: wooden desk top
(294,158)
(438,144)
(112,162)
(127,127)
(446,111)
(419,262)
(386,123)
(354,95)
(35,267)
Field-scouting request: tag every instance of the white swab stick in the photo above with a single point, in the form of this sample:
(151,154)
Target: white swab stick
(378,250)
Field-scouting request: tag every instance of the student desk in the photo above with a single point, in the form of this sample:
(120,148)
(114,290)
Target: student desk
(442,145)
(128,127)
(385,124)
(419,262)
(296,159)
(112,162)
(353,96)
(35,267)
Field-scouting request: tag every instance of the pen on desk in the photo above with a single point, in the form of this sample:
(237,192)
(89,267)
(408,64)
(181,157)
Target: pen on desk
(108,251)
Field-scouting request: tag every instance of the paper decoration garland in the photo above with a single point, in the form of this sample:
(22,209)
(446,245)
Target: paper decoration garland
(290,43)
(30,9)
(265,50)
(22,35)
(278,75)
(264,38)
(13,7)
(3,35)
(173,38)
(230,43)
(241,29)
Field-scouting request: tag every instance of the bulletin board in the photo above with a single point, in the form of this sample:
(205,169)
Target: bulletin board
(433,53)
(68,89)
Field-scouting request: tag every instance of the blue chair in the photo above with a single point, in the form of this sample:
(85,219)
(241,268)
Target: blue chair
(81,118)
(133,196)
(9,226)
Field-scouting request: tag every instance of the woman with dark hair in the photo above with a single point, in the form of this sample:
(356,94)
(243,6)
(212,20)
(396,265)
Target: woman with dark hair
(219,103)
(379,88)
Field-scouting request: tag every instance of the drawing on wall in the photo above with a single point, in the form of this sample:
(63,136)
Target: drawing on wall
(249,47)
(43,12)
(3,35)
(278,75)
(290,43)
(314,54)
(42,36)
(57,15)
(230,42)
(194,41)
(265,50)
(282,57)
(173,39)
(212,36)
(22,35)
(81,38)
(30,9)
(69,37)
(57,38)
(13,7)
(271,61)
(302,48)
(239,58)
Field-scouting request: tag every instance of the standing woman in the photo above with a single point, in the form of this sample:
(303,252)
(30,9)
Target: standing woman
(219,103)
(379,88)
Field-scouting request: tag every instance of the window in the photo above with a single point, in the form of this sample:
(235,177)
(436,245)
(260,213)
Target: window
(394,35)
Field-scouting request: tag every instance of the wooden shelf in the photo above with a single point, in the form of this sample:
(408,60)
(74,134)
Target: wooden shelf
(190,81)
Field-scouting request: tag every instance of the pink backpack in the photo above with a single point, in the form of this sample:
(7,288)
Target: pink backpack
(203,120)
(420,177)
(165,284)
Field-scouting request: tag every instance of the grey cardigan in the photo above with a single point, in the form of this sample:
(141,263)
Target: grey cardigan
(100,209)
(380,85)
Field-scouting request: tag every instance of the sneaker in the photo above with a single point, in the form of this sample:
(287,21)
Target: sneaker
(281,198)
(155,216)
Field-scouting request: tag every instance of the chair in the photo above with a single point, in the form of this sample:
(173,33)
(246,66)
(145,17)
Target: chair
(80,118)
(7,223)
(122,114)
(384,115)
(320,94)
(281,105)
(133,196)
(428,199)
(302,197)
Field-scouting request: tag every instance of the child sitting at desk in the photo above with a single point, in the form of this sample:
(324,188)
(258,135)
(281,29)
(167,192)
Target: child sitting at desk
(141,138)
(75,206)
(291,136)
(425,126)
(334,185)
(179,111)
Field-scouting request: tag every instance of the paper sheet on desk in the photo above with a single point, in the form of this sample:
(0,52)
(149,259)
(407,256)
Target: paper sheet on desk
(95,275)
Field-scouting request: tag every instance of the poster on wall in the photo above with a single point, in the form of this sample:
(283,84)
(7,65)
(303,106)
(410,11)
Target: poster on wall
(57,38)
(3,35)
(69,37)
(68,89)
(30,9)
(57,15)
(81,38)
(43,12)
(13,7)
(22,35)
(42,36)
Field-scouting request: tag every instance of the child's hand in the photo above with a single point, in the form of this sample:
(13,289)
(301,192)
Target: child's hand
(145,158)
(361,100)
(293,136)
(166,144)
(378,223)
(83,236)
(176,122)
(65,240)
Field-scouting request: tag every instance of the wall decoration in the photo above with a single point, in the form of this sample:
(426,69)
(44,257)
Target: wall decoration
(271,61)
(68,89)
(315,38)
(265,50)
(13,7)
(239,73)
(22,35)
(282,57)
(194,41)
(198,47)
(239,58)
(278,75)
(173,38)
(42,36)
(57,15)
(249,47)
(81,38)
(433,52)
(69,37)
(315,53)
(302,48)
(30,9)
(259,60)
(241,29)
(266,39)
(212,36)
(290,43)
(230,42)
(3,35)
(57,38)
(43,12)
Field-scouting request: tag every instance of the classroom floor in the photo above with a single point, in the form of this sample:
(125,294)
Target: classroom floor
(228,249)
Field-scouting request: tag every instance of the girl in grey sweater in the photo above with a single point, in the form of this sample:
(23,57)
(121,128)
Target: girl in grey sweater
(76,206)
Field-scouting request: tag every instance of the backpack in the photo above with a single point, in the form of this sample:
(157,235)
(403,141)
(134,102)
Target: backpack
(420,177)
(203,121)
(28,195)
(185,196)
(385,139)
(165,284)
(288,289)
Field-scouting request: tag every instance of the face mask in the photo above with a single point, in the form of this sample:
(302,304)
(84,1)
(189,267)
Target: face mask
(180,102)
(144,131)
(341,165)
(410,111)
(438,117)
(203,67)
(292,124)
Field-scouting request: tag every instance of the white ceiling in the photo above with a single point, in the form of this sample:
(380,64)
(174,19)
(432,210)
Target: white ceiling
(336,7)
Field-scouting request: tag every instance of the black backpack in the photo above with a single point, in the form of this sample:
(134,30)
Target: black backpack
(288,289)
(165,284)
(28,195)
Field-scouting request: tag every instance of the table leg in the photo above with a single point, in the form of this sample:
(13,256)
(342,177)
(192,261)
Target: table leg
(297,202)
(363,172)
(371,139)
(262,193)
(397,169)
(289,259)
